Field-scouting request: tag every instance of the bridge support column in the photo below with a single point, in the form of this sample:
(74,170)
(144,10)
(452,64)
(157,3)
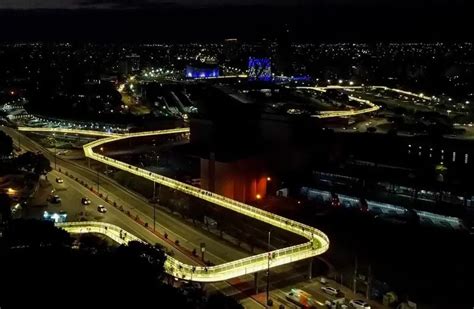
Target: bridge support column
(310,269)
(255,275)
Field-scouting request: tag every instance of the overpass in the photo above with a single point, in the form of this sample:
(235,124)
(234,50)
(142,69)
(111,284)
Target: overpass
(184,271)
(371,107)
(317,243)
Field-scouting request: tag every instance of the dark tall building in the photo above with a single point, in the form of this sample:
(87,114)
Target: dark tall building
(283,61)
(130,65)
(230,51)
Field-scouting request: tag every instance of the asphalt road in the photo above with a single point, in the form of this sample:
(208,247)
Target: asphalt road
(189,236)
(218,251)
(71,193)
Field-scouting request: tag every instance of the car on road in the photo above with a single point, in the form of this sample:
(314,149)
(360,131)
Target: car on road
(359,304)
(85,201)
(101,209)
(55,199)
(330,290)
(59,180)
(301,298)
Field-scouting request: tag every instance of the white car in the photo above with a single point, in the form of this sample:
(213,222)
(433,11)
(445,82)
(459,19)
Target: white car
(330,290)
(59,180)
(359,304)
(101,209)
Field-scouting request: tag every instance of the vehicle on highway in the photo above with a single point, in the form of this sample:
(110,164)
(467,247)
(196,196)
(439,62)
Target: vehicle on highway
(101,209)
(85,201)
(55,199)
(330,290)
(301,298)
(59,180)
(359,304)
(338,303)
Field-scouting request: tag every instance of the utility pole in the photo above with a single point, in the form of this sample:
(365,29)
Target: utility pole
(98,173)
(268,268)
(19,141)
(154,206)
(355,277)
(55,154)
(98,181)
(203,250)
(369,275)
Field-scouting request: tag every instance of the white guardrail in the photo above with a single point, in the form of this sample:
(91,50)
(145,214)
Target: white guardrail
(353,112)
(318,241)
(343,113)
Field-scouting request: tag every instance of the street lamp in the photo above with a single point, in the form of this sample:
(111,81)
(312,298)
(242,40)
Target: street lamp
(55,154)
(268,268)
(106,166)
(154,205)
(98,173)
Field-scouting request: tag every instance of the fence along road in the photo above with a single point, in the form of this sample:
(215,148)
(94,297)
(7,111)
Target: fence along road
(318,242)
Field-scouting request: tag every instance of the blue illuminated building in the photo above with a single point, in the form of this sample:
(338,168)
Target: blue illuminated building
(260,69)
(201,71)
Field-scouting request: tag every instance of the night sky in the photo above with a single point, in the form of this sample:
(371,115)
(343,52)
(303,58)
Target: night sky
(107,4)
(194,20)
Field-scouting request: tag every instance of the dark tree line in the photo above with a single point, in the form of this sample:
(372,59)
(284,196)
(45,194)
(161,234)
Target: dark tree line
(44,266)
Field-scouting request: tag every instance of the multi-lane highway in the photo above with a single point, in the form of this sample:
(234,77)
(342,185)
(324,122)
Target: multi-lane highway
(371,107)
(71,192)
(189,237)
(318,242)
(217,250)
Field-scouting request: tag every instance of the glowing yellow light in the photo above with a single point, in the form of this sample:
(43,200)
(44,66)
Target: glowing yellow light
(258,196)
(269,178)
(318,242)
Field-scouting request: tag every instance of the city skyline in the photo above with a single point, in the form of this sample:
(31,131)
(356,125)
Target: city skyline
(235,154)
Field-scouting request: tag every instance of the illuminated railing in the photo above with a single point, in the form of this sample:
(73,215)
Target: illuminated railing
(199,273)
(343,113)
(372,107)
(318,241)
(68,131)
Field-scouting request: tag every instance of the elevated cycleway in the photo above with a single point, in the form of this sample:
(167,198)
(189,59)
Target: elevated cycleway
(317,244)
(371,107)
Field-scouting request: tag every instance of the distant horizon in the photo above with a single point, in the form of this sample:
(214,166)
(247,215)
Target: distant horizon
(177,23)
(144,4)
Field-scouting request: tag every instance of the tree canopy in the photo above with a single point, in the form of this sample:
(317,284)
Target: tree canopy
(41,264)
(35,163)
(6,144)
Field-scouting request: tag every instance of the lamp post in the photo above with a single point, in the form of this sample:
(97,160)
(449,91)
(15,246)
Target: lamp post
(268,268)
(55,154)
(98,173)
(154,205)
